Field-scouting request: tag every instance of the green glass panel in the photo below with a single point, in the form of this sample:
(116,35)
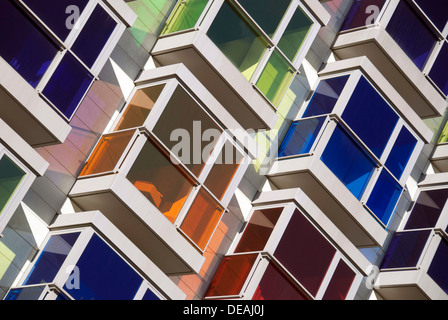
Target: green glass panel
(186,15)
(266,13)
(237,40)
(443,138)
(295,34)
(275,78)
(10,177)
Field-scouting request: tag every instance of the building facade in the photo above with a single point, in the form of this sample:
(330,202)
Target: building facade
(223,149)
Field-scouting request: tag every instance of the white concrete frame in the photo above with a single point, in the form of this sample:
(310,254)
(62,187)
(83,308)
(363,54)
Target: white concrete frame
(27,159)
(116,9)
(291,200)
(374,42)
(94,222)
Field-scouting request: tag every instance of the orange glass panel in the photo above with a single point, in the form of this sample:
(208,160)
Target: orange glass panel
(108,151)
(202,218)
(139,107)
(160,181)
(259,230)
(223,170)
(231,275)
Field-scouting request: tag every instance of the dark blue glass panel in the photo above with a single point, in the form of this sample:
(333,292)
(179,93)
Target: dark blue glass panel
(94,36)
(325,96)
(149,295)
(370,117)
(68,85)
(361,15)
(401,152)
(439,71)
(427,209)
(411,33)
(300,137)
(27,293)
(404,249)
(103,274)
(56,14)
(24,45)
(384,197)
(345,158)
(436,10)
(439,266)
(51,258)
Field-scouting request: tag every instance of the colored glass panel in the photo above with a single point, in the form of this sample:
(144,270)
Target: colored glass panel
(103,274)
(149,295)
(185,15)
(237,40)
(68,85)
(300,137)
(27,293)
(10,177)
(59,15)
(439,70)
(190,134)
(436,11)
(411,33)
(304,252)
(340,282)
(107,152)
(231,275)
(267,14)
(223,170)
(202,218)
(405,249)
(276,286)
(139,107)
(348,161)
(161,182)
(401,152)
(362,13)
(427,209)
(258,230)
(325,97)
(384,197)
(275,78)
(295,34)
(437,269)
(27,49)
(370,117)
(51,259)
(94,36)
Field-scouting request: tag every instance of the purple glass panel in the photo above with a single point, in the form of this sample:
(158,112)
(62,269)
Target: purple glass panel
(411,33)
(436,11)
(427,209)
(439,266)
(362,13)
(439,70)
(405,249)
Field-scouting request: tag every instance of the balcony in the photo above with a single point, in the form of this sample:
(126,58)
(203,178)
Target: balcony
(285,228)
(85,257)
(388,40)
(240,71)
(352,162)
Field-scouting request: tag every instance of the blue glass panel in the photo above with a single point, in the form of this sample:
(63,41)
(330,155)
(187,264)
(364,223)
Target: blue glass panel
(27,293)
(300,137)
(439,71)
(360,13)
(94,36)
(370,117)
(24,45)
(325,96)
(436,11)
(411,33)
(345,158)
(439,265)
(149,295)
(103,274)
(404,249)
(68,85)
(51,258)
(57,14)
(384,197)
(401,152)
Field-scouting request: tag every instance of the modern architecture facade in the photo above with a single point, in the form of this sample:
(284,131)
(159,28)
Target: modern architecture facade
(223,150)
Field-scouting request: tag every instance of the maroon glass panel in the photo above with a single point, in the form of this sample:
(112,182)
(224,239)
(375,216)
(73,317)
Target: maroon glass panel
(340,283)
(427,209)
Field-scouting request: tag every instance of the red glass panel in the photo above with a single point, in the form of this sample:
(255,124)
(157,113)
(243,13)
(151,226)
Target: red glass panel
(340,283)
